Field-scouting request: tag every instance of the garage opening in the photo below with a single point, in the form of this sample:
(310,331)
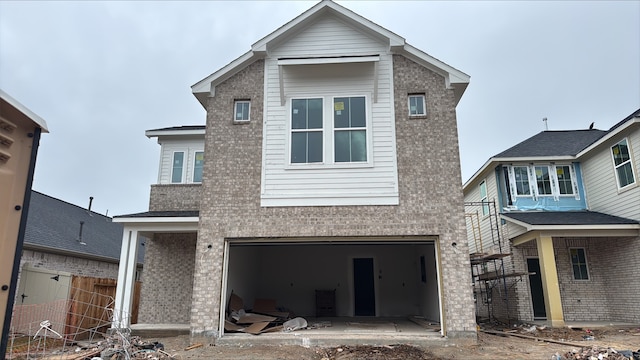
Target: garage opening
(347,279)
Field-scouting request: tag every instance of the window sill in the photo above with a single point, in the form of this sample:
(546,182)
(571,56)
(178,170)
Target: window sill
(418,117)
(627,188)
(323,166)
(241,122)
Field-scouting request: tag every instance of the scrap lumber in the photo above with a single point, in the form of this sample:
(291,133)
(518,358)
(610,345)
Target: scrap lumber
(502,333)
(76,356)
(194,346)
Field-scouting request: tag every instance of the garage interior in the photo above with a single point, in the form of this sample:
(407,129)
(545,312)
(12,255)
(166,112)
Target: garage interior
(349,284)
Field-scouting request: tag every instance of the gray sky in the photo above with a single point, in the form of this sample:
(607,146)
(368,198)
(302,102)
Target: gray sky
(101,73)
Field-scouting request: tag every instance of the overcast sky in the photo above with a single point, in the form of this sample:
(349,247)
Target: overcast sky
(101,73)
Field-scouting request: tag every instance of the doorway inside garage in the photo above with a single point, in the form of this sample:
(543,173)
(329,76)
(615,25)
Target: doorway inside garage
(388,278)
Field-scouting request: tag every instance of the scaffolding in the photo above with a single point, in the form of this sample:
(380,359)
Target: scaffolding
(488,265)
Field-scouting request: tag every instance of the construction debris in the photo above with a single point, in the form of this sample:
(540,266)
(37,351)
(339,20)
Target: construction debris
(264,317)
(598,353)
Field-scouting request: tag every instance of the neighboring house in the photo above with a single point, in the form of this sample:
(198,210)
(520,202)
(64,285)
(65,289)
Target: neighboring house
(70,259)
(569,213)
(329,161)
(64,237)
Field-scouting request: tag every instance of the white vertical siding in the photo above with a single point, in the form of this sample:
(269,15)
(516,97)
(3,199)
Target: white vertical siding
(329,184)
(189,147)
(601,183)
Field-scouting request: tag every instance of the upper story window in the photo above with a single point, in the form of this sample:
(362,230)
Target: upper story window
(198,164)
(547,180)
(521,180)
(484,197)
(241,110)
(417,105)
(306,130)
(329,131)
(177,167)
(543,180)
(565,180)
(622,163)
(350,129)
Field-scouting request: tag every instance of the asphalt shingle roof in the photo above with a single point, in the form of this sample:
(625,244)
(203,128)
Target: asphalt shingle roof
(568,218)
(55,224)
(553,143)
(184,127)
(194,213)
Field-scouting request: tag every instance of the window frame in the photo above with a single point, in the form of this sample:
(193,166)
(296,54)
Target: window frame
(235,111)
(173,168)
(628,162)
(579,264)
(328,133)
(424,105)
(336,130)
(485,207)
(320,130)
(193,172)
(532,179)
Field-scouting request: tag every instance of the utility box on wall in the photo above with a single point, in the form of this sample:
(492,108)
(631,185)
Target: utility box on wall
(20,131)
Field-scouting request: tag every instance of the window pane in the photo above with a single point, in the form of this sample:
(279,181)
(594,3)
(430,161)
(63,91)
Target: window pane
(358,145)
(306,147)
(242,111)
(350,146)
(341,110)
(543,180)
(178,160)
(416,105)
(197,166)
(315,146)
(620,152)
(625,174)
(315,113)
(522,180)
(299,114)
(358,112)
(342,146)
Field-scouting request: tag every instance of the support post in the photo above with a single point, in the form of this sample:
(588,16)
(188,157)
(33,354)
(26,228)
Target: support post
(126,279)
(550,284)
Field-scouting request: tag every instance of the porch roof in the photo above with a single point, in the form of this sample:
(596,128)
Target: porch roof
(160,214)
(567,218)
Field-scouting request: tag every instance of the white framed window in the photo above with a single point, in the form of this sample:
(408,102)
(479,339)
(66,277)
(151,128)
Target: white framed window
(539,180)
(307,130)
(177,167)
(417,105)
(329,131)
(484,198)
(241,110)
(198,165)
(350,129)
(579,264)
(622,163)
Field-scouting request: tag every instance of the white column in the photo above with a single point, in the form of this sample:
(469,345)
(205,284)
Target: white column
(126,279)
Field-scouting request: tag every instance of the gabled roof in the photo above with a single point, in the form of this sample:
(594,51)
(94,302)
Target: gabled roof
(455,79)
(553,143)
(556,145)
(53,226)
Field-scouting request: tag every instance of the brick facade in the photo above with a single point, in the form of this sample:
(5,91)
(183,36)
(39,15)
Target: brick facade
(167,299)
(175,197)
(610,293)
(431,201)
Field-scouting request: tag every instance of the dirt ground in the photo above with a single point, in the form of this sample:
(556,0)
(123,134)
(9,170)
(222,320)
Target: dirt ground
(489,347)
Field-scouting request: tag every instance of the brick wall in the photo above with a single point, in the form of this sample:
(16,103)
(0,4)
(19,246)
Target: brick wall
(167,299)
(610,294)
(175,197)
(71,264)
(429,184)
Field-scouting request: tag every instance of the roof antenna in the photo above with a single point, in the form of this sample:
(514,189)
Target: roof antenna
(546,126)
